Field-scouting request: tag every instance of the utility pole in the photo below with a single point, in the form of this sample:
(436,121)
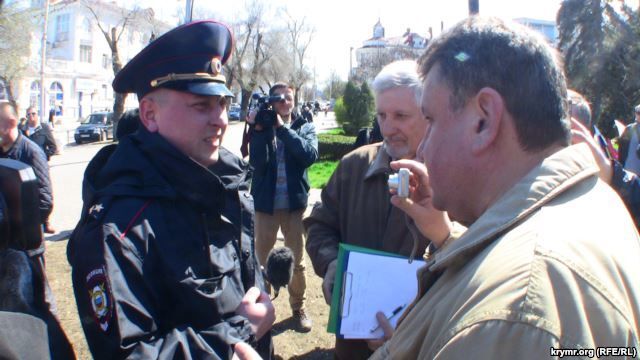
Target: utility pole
(188,12)
(350,63)
(43,59)
(474,7)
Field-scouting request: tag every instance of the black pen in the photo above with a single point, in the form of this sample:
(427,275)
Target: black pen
(393,313)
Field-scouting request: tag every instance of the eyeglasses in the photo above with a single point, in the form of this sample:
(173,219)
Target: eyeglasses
(32,113)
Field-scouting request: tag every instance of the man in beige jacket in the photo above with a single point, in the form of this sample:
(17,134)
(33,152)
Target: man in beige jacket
(550,263)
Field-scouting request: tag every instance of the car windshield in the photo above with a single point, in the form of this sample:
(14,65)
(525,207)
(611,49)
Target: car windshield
(96,119)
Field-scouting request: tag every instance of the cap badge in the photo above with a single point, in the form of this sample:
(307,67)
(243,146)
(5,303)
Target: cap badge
(216,66)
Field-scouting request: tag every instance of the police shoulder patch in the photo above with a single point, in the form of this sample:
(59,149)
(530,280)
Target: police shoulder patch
(100,296)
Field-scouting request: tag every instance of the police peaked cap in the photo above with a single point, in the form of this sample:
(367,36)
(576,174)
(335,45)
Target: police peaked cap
(188,58)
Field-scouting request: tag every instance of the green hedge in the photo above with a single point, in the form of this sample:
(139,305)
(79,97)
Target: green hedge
(334,147)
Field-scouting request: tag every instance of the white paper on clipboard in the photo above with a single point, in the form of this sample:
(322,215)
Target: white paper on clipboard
(375,283)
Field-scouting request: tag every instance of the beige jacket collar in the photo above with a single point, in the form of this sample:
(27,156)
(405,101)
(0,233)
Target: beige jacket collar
(553,176)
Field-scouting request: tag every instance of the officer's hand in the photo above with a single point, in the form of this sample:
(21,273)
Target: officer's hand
(386,327)
(257,307)
(580,134)
(432,223)
(327,282)
(244,351)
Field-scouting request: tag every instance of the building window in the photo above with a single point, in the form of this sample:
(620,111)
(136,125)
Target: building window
(3,91)
(86,26)
(56,96)
(105,61)
(34,95)
(85,53)
(62,27)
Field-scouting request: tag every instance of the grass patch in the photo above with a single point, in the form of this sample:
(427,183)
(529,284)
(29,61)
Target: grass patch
(320,172)
(336,131)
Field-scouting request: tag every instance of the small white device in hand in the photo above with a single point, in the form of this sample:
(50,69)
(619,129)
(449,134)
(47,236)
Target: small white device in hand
(400,182)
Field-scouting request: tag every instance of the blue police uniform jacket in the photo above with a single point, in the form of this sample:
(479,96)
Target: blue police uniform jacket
(163,253)
(300,151)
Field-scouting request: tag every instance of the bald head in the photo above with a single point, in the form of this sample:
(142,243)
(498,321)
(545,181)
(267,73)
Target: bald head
(8,114)
(8,125)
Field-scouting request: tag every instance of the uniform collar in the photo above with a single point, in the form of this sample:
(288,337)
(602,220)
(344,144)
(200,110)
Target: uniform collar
(553,176)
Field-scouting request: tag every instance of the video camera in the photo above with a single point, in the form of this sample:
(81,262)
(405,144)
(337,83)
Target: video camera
(20,225)
(266,116)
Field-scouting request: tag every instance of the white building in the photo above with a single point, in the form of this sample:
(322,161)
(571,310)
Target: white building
(78,70)
(379,51)
(545,27)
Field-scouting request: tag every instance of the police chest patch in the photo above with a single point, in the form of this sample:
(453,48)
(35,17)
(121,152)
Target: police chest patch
(100,297)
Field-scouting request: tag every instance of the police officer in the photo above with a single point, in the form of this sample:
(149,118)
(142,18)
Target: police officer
(162,258)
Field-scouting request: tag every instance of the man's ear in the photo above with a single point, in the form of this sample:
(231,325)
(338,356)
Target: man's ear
(489,106)
(148,110)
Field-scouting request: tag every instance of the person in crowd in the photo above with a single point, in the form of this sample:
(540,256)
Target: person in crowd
(40,134)
(22,272)
(128,123)
(624,182)
(280,155)
(355,206)
(52,117)
(579,108)
(14,145)
(162,259)
(306,113)
(533,273)
(629,144)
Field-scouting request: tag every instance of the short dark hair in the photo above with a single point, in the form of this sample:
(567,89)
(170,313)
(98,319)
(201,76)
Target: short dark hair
(278,86)
(488,52)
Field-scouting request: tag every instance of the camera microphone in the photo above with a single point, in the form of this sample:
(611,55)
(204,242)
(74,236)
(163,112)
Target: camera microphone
(279,268)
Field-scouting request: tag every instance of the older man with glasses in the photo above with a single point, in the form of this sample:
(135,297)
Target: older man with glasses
(39,133)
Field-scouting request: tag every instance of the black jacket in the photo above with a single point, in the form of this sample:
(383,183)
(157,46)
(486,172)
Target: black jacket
(300,152)
(28,152)
(163,253)
(627,185)
(623,142)
(43,136)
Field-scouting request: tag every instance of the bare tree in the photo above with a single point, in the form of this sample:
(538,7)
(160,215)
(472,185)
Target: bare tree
(279,67)
(300,37)
(16,26)
(334,87)
(128,20)
(251,53)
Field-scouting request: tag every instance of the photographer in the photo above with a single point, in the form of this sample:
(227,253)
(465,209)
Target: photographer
(281,149)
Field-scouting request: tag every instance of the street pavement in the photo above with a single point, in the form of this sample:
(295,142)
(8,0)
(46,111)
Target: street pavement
(67,171)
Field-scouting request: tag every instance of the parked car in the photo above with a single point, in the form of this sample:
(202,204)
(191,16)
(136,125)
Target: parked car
(96,127)
(234,112)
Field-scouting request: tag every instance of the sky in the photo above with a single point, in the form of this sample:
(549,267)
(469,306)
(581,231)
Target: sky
(342,24)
